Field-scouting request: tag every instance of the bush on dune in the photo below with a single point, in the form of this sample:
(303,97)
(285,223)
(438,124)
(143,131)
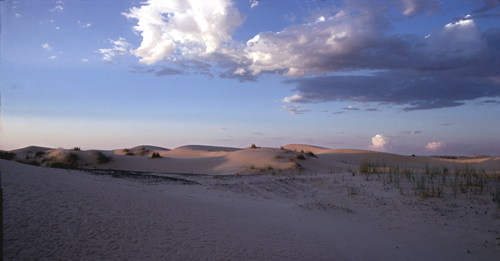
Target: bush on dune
(102,159)
(70,161)
(7,155)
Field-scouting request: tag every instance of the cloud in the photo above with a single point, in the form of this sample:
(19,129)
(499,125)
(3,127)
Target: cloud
(351,108)
(254,3)
(487,5)
(85,60)
(191,28)
(59,7)
(47,47)
(323,58)
(379,142)
(453,65)
(416,7)
(219,128)
(53,57)
(120,48)
(295,109)
(434,146)
(411,132)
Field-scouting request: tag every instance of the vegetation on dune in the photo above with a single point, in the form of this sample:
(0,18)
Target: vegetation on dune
(70,161)
(102,159)
(7,155)
(437,182)
(155,155)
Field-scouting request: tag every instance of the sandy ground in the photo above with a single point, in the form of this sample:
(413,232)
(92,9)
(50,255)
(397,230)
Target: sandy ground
(315,211)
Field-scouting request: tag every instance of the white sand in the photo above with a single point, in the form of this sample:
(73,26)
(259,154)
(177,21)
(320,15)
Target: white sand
(283,213)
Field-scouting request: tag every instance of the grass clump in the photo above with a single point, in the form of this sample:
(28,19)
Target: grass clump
(253,146)
(155,155)
(102,159)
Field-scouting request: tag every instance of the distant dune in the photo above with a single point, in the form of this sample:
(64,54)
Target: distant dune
(297,202)
(199,159)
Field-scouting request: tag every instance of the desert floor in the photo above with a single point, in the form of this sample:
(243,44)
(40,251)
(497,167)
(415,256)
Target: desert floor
(325,207)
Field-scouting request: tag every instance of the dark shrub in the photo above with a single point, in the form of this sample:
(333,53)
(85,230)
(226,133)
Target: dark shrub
(310,154)
(253,146)
(155,155)
(39,153)
(7,155)
(300,157)
(102,159)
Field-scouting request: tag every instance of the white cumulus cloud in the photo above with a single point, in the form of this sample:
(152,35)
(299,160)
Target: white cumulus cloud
(379,142)
(191,27)
(434,146)
(46,46)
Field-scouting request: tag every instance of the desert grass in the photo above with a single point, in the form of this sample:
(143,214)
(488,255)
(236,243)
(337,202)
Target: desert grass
(436,181)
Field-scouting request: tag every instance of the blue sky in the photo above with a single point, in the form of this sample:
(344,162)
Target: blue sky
(401,76)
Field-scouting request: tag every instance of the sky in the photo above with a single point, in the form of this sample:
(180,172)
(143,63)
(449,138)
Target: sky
(400,76)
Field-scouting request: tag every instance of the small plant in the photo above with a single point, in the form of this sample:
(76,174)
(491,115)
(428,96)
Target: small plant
(129,154)
(155,155)
(102,159)
(76,148)
(310,154)
(300,157)
(253,146)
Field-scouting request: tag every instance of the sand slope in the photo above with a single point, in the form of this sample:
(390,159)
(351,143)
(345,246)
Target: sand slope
(69,214)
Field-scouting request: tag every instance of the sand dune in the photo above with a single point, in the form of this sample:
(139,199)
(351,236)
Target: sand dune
(198,159)
(298,202)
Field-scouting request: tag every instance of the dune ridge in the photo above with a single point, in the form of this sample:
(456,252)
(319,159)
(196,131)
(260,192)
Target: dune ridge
(202,159)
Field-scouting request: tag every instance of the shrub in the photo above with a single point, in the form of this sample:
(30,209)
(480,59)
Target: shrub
(310,154)
(69,162)
(129,154)
(253,146)
(76,148)
(155,155)
(300,157)
(102,159)
(39,153)
(7,155)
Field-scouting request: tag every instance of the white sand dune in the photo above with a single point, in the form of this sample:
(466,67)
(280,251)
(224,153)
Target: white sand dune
(251,204)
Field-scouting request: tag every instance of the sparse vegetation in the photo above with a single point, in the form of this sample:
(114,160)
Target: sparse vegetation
(7,155)
(102,159)
(310,154)
(438,182)
(70,161)
(300,157)
(129,154)
(253,146)
(155,155)
(76,148)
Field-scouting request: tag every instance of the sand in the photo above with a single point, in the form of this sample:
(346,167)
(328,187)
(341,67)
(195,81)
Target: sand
(216,203)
